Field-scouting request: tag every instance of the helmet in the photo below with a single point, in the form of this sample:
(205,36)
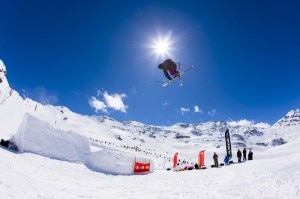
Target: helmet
(160,66)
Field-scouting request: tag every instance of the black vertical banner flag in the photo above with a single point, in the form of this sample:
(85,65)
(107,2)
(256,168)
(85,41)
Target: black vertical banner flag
(228,143)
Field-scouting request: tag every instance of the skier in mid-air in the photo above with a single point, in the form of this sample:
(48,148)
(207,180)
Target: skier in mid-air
(168,66)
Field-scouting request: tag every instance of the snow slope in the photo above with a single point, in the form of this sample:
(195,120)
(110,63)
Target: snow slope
(273,174)
(68,155)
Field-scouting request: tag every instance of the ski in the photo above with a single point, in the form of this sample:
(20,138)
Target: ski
(181,73)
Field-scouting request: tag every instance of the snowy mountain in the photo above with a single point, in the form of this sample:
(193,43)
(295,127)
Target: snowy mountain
(292,118)
(63,154)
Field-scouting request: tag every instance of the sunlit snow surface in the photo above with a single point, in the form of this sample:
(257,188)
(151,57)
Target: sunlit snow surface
(67,155)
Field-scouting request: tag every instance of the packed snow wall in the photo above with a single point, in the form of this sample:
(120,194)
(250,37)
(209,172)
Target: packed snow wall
(39,137)
(115,162)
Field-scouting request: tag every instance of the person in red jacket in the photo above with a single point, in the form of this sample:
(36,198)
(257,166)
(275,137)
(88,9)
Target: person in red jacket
(168,66)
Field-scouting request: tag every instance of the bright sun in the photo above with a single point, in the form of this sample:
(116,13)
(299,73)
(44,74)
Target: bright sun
(161,47)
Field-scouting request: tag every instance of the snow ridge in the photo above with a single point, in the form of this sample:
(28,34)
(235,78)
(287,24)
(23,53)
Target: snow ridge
(292,118)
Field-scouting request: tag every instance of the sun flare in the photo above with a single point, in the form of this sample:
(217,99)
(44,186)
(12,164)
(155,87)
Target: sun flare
(161,47)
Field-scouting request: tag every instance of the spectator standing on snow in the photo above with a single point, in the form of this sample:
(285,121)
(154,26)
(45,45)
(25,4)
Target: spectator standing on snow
(244,154)
(215,157)
(239,155)
(250,155)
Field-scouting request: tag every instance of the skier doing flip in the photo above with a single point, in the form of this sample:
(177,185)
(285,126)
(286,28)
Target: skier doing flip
(168,66)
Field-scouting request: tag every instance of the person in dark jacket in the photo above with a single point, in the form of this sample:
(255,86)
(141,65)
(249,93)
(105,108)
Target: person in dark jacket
(215,157)
(4,143)
(168,66)
(239,155)
(8,144)
(244,154)
(250,155)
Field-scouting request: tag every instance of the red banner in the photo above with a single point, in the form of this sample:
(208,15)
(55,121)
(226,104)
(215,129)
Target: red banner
(140,168)
(201,159)
(175,160)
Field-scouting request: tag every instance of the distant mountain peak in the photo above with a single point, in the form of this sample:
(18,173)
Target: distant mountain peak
(4,86)
(292,118)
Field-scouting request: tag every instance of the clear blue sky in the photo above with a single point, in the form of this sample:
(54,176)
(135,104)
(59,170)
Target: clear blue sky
(246,56)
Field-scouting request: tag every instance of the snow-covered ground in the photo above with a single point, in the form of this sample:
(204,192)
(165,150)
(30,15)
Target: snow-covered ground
(67,155)
(273,174)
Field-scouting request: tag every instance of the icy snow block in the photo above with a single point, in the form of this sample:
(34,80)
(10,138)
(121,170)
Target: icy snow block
(115,162)
(41,138)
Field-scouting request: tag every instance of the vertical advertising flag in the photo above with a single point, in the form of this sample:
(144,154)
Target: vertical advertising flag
(228,143)
(201,159)
(175,160)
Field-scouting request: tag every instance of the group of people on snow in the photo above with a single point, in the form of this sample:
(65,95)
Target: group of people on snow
(240,155)
(8,144)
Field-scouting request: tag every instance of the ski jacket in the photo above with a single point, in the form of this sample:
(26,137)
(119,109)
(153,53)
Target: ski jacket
(215,157)
(168,65)
(226,159)
(250,155)
(239,154)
